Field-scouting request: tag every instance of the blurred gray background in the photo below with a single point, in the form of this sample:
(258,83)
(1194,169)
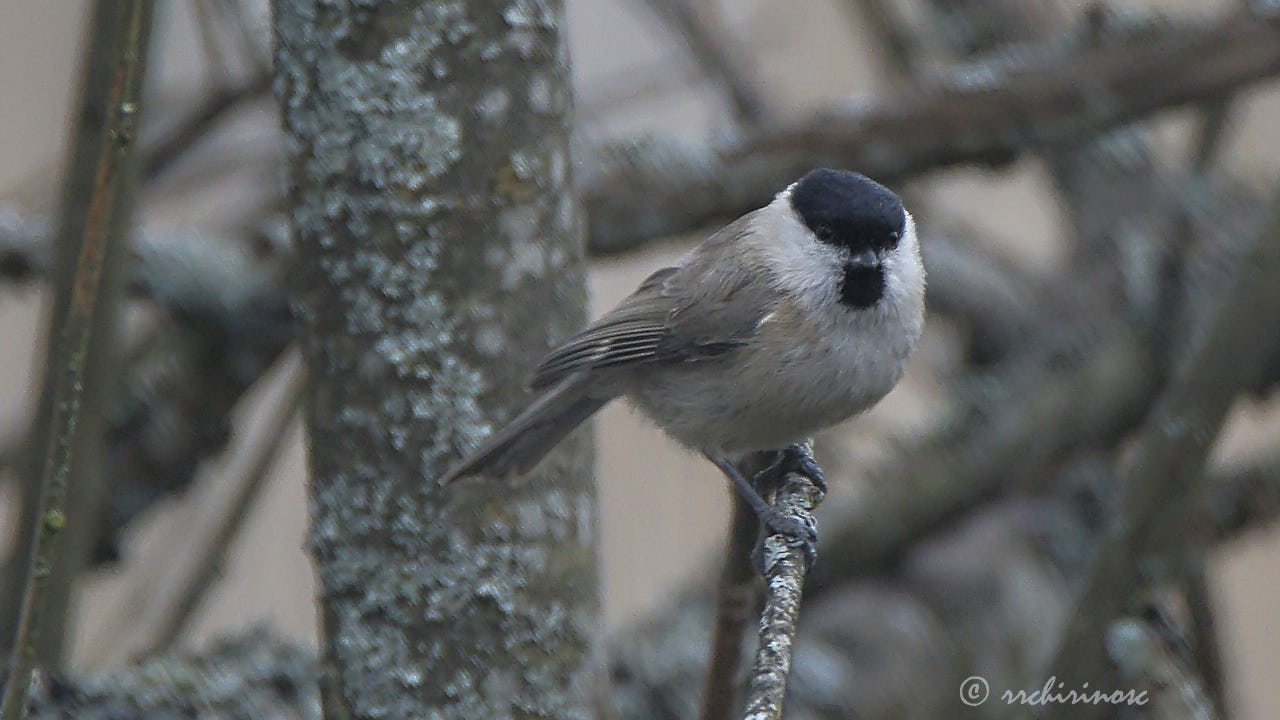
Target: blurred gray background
(630,77)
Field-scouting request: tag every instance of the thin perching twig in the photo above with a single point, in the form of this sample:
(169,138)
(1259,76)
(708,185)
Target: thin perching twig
(784,571)
(207,568)
(68,355)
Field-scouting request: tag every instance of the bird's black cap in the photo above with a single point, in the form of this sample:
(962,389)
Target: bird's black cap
(848,209)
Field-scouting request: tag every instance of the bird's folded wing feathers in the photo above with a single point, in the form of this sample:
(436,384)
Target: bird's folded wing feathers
(678,314)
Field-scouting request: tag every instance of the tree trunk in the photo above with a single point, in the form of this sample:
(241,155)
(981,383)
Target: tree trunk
(440,254)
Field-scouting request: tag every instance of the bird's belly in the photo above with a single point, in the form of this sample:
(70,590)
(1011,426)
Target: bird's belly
(766,401)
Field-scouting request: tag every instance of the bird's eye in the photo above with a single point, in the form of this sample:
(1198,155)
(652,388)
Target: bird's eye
(823,232)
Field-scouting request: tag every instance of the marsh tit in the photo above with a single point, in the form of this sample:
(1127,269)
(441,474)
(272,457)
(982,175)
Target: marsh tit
(790,319)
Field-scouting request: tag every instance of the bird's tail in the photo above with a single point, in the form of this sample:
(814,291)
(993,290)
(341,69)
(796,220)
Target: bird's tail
(524,441)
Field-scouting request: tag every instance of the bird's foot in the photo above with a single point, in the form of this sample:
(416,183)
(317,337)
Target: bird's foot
(795,533)
(797,458)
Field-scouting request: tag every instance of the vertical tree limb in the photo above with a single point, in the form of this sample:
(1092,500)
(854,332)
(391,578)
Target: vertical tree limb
(69,359)
(439,255)
(736,593)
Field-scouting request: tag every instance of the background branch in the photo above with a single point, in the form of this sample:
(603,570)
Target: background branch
(737,596)
(69,355)
(721,60)
(205,570)
(636,191)
(1166,460)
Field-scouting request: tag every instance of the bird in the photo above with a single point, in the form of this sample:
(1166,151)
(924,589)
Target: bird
(795,317)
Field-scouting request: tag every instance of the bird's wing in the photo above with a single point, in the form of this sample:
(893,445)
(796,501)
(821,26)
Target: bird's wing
(678,314)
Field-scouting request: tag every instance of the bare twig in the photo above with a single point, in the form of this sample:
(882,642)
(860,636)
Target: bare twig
(207,567)
(987,296)
(190,274)
(215,62)
(1243,500)
(1012,433)
(1171,690)
(635,192)
(68,356)
(885,26)
(735,596)
(251,46)
(1166,460)
(1204,636)
(200,120)
(785,567)
(1215,117)
(719,58)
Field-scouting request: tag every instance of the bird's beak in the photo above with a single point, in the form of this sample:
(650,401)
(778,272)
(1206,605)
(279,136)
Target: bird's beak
(863,259)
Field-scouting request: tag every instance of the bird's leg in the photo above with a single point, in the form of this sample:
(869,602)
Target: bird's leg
(797,458)
(773,521)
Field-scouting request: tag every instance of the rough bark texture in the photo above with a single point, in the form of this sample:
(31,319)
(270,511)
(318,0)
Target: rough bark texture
(439,255)
(784,569)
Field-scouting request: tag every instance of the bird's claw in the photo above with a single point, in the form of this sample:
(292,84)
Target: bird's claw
(797,458)
(794,533)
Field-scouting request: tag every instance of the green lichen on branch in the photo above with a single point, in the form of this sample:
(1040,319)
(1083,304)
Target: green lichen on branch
(439,254)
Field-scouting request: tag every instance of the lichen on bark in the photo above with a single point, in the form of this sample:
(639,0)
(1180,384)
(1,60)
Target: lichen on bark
(440,254)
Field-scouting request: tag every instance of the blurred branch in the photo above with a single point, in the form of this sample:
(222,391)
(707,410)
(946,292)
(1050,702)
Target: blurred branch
(637,191)
(215,62)
(1034,417)
(1145,659)
(720,58)
(977,27)
(784,570)
(897,46)
(1243,500)
(226,319)
(736,594)
(208,566)
(861,654)
(1215,117)
(68,359)
(252,676)
(1205,644)
(251,48)
(1167,456)
(994,302)
(211,110)
(190,274)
